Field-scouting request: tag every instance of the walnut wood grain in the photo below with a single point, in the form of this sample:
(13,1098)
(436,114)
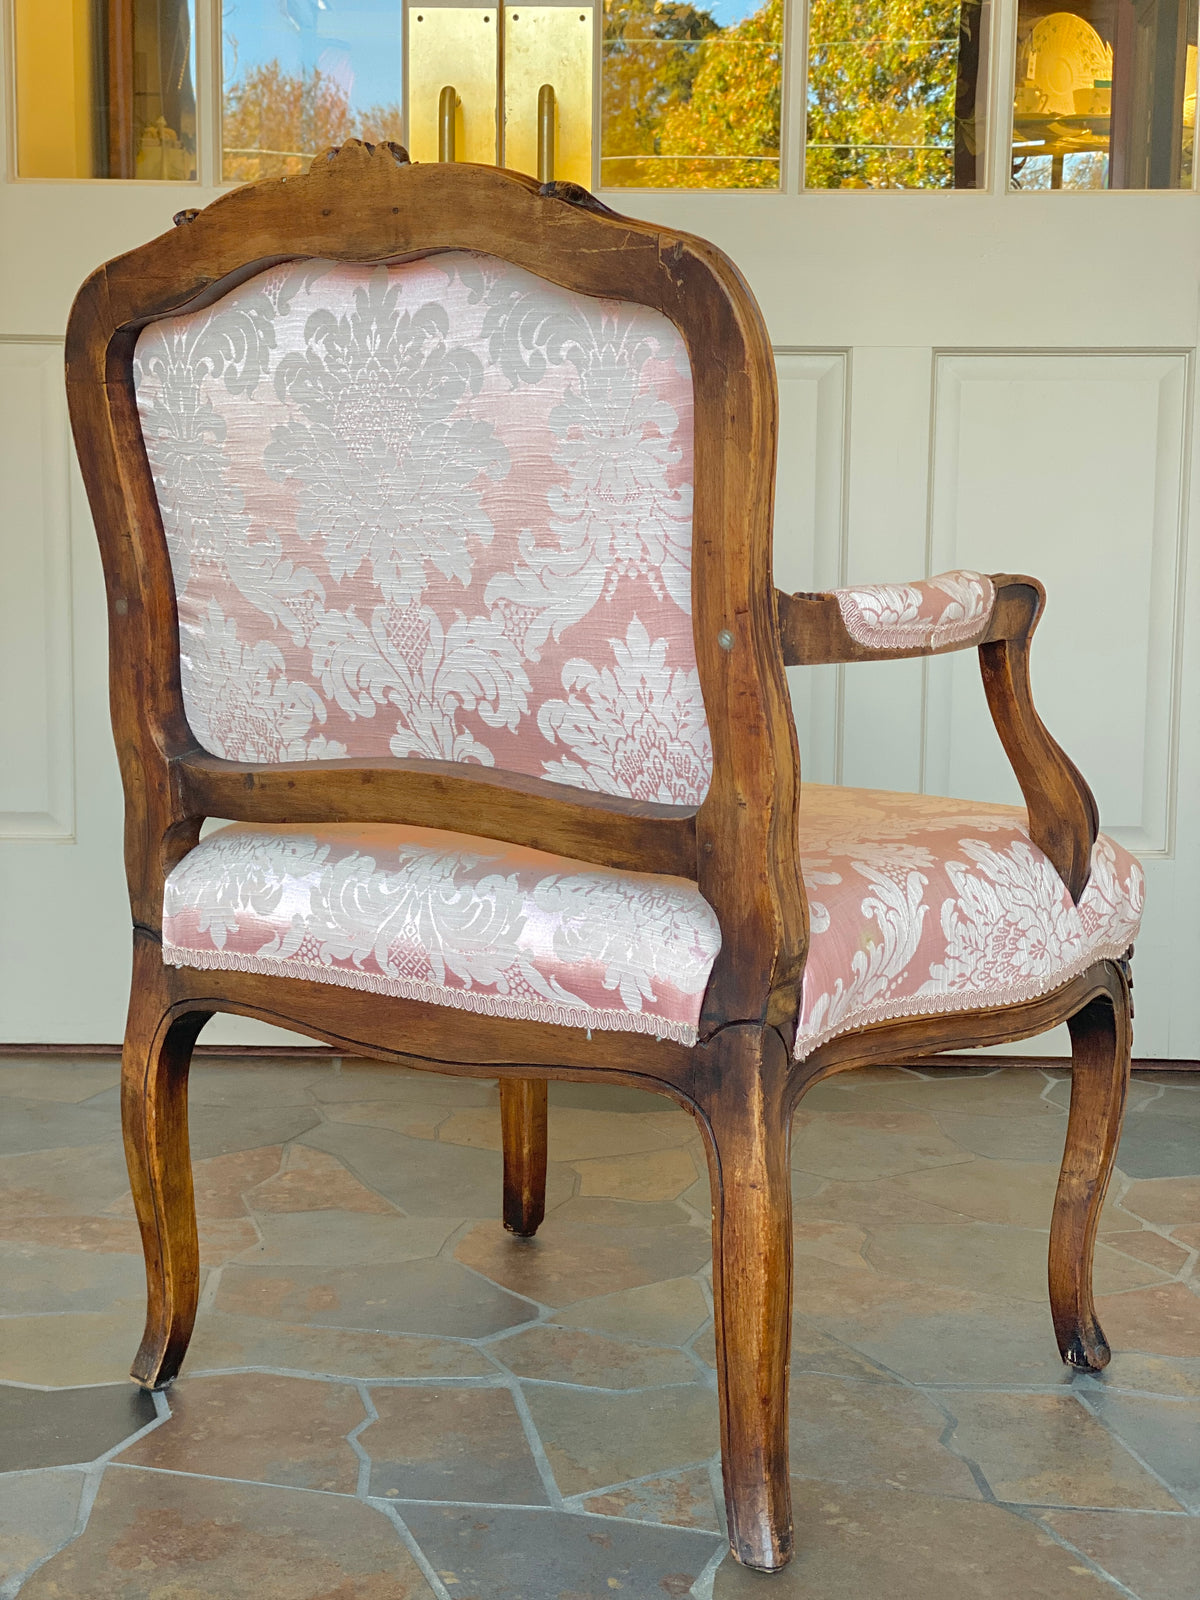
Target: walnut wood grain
(154,1076)
(1063,817)
(1101,1042)
(523,1126)
(741,1092)
(443,794)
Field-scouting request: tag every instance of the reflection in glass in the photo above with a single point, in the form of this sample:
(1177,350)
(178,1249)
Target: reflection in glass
(691,96)
(1105,95)
(894,94)
(105,89)
(300,75)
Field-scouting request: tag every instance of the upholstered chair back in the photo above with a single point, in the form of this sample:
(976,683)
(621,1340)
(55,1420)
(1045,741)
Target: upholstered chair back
(437,509)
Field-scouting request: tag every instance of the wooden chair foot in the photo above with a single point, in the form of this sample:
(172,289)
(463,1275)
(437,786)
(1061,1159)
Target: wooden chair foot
(154,1073)
(523,1103)
(746,1121)
(1101,1041)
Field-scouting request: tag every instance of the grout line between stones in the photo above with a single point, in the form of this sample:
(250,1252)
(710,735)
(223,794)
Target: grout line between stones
(703,1587)
(536,1449)
(428,1571)
(1029,1515)
(87,1497)
(502,1379)
(93,1472)
(354,1440)
(1084,1400)
(597,1388)
(217,1477)
(543,1311)
(571,1501)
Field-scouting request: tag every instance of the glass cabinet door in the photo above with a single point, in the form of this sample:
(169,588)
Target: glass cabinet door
(1104,95)
(105,89)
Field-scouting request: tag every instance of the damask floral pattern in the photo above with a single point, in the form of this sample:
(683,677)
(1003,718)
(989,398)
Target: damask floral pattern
(921,905)
(441,509)
(635,723)
(953,608)
(435,916)
(918,905)
(244,701)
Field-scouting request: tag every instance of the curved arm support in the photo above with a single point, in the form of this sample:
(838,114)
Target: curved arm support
(1063,819)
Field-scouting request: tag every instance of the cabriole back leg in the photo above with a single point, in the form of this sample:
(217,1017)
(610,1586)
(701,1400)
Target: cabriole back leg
(1101,1040)
(154,1074)
(523,1103)
(746,1121)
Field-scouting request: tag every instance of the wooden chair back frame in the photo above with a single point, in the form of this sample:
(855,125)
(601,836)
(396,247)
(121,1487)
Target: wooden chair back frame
(362,204)
(740,1082)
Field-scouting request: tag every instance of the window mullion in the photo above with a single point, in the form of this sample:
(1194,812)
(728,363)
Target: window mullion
(208,92)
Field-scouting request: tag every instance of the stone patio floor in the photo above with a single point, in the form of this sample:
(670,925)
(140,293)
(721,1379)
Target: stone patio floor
(388,1398)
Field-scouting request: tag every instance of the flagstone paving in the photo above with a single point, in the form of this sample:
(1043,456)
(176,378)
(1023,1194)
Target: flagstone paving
(389,1398)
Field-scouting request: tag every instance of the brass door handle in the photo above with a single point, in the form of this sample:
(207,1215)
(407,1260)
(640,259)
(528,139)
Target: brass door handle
(545,133)
(448,104)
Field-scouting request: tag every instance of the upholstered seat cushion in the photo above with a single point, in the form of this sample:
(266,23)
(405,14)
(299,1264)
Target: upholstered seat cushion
(918,905)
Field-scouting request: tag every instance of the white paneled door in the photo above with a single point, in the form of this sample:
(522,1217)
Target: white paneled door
(994,378)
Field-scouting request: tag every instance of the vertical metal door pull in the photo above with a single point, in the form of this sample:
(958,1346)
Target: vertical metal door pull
(545,139)
(448,104)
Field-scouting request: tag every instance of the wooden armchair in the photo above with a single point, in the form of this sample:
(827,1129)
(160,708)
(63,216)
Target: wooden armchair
(435,510)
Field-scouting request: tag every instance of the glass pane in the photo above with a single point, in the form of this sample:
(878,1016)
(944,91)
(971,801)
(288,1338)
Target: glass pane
(690,97)
(105,89)
(1105,95)
(300,75)
(895,94)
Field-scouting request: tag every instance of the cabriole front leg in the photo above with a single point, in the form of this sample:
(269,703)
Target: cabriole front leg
(1101,1042)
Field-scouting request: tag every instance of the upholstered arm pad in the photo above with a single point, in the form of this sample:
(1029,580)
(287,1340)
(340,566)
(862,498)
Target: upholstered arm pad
(953,608)
(952,611)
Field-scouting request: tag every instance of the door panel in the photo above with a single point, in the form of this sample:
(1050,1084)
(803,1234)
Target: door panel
(1035,459)
(37,779)
(810,527)
(889,454)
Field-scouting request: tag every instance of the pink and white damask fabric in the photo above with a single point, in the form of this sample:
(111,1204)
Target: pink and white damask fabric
(435,916)
(918,906)
(441,509)
(953,608)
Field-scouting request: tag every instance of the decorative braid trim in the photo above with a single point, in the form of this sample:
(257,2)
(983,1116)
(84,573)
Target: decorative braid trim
(934,1005)
(491,1005)
(913,635)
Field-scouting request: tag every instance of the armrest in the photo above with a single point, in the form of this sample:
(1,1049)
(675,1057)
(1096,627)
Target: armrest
(889,621)
(823,628)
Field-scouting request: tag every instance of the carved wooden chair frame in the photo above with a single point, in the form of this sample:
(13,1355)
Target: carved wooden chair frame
(368,204)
